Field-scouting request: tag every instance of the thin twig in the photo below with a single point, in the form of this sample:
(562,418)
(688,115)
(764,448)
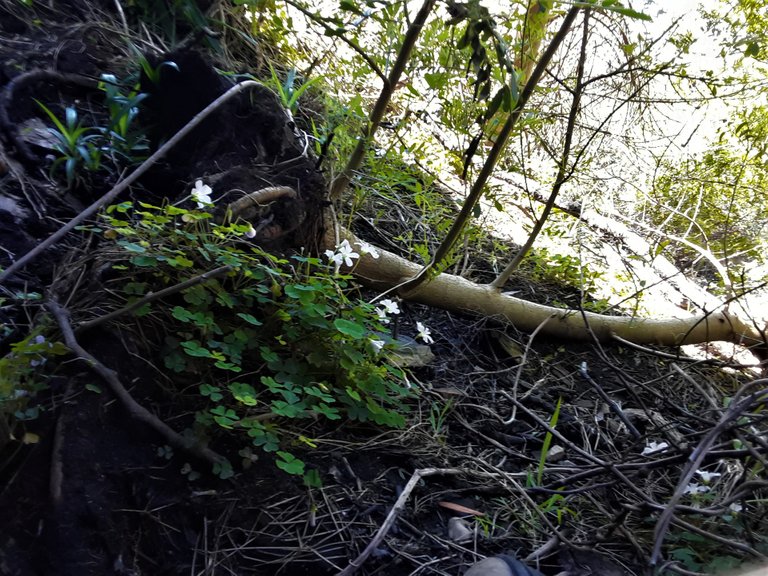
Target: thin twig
(562,170)
(735,409)
(135,409)
(392,516)
(122,186)
(523,360)
(610,401)
(152,296)
(339,185)
(478,187)
(351,43)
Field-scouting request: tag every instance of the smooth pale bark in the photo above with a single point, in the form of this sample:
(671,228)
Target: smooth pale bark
(455,293)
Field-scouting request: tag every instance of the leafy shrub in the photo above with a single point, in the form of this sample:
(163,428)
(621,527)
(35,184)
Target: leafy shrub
(21,379)
(273,341)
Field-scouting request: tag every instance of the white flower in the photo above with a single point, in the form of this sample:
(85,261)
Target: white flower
(251,232)
(707,476)
(201,193)
(735,507)
(366,248)
(424,333)
(694,488)
(347,252)
(388,307)
(654,447)
(377,345)
(344,254)
(39,339)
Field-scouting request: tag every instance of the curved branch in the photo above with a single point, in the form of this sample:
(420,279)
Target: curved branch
(135,409)
(562,176)
(447,291)
(490,163)
(339,185)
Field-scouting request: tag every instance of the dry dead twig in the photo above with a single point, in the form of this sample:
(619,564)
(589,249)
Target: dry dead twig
(392,516)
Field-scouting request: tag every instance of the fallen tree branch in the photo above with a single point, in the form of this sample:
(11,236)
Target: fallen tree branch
(135,410)
(392,516)
(450,292)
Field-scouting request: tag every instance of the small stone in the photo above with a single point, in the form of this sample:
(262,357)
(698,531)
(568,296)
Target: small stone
(458,530)
(555,454)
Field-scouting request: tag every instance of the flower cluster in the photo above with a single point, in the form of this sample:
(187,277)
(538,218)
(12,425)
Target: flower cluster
(345,254)
(386,308)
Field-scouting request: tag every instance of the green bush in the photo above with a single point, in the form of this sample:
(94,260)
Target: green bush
(273,341)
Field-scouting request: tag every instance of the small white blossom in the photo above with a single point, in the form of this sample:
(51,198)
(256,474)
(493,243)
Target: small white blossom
(424,333)
(347,252)
(707,476)
(390,306)
(387,307)
(377,345)
(654,447)
(366,248)
(201,193)
(251,232)
(735,507)
(39,339)
(694,488)
(344,254)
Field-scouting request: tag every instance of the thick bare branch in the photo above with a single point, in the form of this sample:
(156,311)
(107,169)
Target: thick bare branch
(341,182)
(455,293)
(493,156)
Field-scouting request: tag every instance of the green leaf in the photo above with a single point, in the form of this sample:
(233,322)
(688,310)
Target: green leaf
(182,314)
(224,417)
(350,328)
(175,361)
(132,246)
(327,411)
(228,366)
(143,261)
(223,470)
(288,410)
(193,348)
(614,6)
(289,463)
(213,392)
(243,393)
(312,479)
(436,80)
(249,318)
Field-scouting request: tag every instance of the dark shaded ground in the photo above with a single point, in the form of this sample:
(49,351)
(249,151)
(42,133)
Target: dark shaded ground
(126,505)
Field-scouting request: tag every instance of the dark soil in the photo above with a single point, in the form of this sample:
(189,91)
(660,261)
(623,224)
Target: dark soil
(100,494)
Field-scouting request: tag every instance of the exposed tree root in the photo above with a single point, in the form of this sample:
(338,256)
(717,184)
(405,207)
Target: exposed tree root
(135,409)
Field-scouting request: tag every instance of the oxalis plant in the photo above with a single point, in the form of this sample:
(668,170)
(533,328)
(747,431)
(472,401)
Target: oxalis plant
(268,345)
